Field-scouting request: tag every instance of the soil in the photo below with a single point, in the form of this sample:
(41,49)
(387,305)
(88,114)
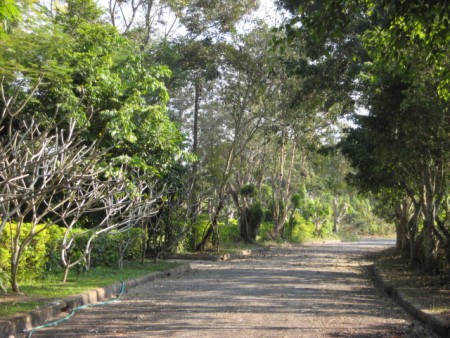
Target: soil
(429,292)
(315,290)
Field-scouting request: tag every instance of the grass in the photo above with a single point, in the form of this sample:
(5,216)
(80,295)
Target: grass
(38,292)
(11,308)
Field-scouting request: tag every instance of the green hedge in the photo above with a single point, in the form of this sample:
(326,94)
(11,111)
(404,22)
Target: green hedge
(107,248)
(36,255)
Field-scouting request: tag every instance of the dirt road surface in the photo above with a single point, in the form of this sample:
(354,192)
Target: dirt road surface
(315,290)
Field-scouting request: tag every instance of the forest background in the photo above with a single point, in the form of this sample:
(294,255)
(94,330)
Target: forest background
(140,128)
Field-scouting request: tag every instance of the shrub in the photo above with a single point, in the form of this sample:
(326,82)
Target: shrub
(229,232)
(264,231)
(197,231)
(106,250)
(53,248)
(302,230)
(37,253)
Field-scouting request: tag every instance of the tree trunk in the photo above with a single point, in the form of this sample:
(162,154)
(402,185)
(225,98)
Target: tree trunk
(412,233)
(14,269)
(280,214)
(401,226)
(66,273)
(214,223)
(429,210)
(335,216)
(197,89)
(215,219)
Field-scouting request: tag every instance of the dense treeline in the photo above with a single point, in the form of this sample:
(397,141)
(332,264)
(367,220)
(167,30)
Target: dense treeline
(122,127)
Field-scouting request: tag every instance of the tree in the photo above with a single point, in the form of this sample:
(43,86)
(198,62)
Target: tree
(79,107)
(404,44)
(398,150)
(9,14)
(243,96)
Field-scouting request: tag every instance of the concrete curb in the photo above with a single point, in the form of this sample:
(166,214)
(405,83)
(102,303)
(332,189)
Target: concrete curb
(19,324)
(438,325)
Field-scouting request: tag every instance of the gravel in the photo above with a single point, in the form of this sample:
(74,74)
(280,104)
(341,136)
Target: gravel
(315,290)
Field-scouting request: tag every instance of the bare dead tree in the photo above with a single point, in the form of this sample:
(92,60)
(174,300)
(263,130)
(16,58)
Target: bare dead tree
(41,170)
(126,202)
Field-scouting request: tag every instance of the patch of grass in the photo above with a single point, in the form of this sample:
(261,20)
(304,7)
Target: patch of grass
(51,287)
(10,308)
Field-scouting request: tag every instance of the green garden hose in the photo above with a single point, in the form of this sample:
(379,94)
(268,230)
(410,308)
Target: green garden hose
(31,331)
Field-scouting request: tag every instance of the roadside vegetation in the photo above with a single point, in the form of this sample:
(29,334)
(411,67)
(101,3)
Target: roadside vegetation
(126,136)
(40,291)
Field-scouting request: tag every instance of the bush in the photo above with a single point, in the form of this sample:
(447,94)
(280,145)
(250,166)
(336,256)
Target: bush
(229,232)
(53,248)
(264,231)
(326,230)
(36,255)
(106,250)
(302,230)
(197,231)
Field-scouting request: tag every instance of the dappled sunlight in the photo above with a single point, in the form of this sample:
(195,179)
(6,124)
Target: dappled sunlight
(304,291)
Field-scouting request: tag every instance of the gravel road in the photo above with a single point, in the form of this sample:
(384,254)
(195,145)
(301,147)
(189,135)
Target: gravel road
(315,290)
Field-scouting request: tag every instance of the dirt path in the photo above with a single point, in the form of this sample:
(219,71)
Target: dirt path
(319,290)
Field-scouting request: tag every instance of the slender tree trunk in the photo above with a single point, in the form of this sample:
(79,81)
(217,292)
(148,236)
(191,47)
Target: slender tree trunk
(197,88)
(194,209)
(221,200)
(335,216)
(66,273)
(429,210)
(281,205)
(412,231)
(14,269)
(401,225)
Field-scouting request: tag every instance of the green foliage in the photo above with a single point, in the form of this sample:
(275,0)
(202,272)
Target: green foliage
(316,210)
(229,231)
(248,190)
(53,248)
(301,229)
(4,281)
(264,231)
(296,201)
(9,14)
(198,230)
(36,255)
(255,214)
(107,249)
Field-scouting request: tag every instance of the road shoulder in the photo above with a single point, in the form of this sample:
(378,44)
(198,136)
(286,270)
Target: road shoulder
(425,297)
